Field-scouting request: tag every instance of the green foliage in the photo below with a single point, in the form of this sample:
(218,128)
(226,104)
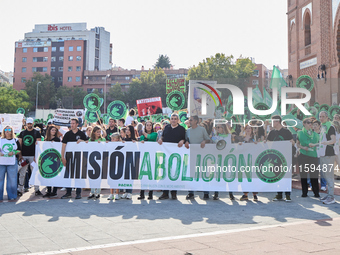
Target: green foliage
(115,93)
(11,99)
(46,89)
(78,95)
(163,61)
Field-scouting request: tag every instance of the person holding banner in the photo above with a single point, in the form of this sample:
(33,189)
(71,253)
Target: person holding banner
(317,129)
(149,135)
(307,140)
(280,134)
(328,138)
(74,135)
(27,140)
(173,133)
(112,129)
(9,147)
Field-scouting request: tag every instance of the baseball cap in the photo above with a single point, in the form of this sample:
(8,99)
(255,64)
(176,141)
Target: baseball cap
(29,120)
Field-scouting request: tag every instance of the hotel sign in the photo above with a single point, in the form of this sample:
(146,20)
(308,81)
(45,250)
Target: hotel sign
(32,44)
(308,63)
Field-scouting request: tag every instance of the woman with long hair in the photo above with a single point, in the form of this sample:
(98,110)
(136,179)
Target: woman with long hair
(9,147)
(52,135)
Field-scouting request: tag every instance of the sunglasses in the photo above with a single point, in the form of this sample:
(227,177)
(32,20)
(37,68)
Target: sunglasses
(8,129)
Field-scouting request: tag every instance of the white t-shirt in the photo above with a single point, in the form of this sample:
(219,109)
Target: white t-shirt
(7,146)
(128,120)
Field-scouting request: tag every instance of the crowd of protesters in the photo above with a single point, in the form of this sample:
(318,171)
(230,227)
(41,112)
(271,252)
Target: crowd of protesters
(315,146)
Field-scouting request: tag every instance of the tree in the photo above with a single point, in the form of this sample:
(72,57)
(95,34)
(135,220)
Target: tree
(115,93)
(11,99)
(77,94)
(163,61)
(46,90)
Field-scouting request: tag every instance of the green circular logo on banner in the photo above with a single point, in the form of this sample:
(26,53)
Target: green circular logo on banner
(313,110)
(324,107)
(335,109)
(182,116)
(21,111)
(49,163)
(28,140)
(175,100)
(106,118)
(262,106)
(270,164)
(92,102)
(116,110)
(305,82)
(91,116)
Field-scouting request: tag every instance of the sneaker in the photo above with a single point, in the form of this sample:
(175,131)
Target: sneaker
(278,198)
(63,189)
(38,193)
(215,197)
(97,196)
(53,195)
(47,195)
(128,196)
(90,196)
(329,200)
(244,198)
(163,196)
(190,196)
(110,197)
(323,188)
(288,199)
(66,196)
(123,196)
(78,196)
(26,190)
(117,197)
(141,197)
(255,198)
(324,198)
(231,197)
(150,197)
(304,195)
(206,197)
(19,194)
(317,195)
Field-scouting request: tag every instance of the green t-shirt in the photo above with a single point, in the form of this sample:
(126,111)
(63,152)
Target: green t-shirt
(305,139)
(149,138)
(102,139)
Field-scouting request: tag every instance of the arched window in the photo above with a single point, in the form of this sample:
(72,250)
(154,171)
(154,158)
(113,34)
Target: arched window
(308,36)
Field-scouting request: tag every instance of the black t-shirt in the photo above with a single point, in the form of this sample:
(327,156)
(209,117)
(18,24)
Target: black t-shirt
(173,135)
(280,135)
(260,132)
(55,139)
(330,148)
(73,137)
(29,139)
(110,132)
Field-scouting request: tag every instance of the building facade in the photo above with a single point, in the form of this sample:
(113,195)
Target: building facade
(63,51)
(314,46)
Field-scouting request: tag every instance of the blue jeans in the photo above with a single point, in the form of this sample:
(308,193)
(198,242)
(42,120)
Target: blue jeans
(12,180)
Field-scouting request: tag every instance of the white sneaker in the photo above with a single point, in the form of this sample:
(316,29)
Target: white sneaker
(110,197)
(123,196)
(324,198)
(117,197)
(329,200)
(323,188)
(63,189)
(128,196)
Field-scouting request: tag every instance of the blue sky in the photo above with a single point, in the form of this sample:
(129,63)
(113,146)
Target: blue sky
(187,31)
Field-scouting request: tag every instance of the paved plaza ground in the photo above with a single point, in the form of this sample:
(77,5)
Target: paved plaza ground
(49,226)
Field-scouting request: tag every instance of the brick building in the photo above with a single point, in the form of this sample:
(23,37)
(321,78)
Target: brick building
(314,46)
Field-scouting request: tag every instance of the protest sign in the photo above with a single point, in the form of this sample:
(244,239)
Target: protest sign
(149,106)
(175,85)
(62,117)
(14,120)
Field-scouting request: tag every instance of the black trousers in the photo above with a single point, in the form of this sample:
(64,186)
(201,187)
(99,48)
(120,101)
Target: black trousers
(309,165)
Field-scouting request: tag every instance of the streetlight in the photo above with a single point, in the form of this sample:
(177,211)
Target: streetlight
(36,100)
(106,76)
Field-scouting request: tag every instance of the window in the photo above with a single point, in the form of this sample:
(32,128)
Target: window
(23,79)
(69,79)
(255,82)
(52,68)
(44,69)
(34,69)
(127,78)
(70,58)
(70,48)
(78,68)
(60,78)
(24,59)
(54,49)
(308,37)
(100,91)
(23,70)
(78,58)
(60,69)
(45,59)
(24,50)
(78,78)
(78,48)
(52,78)
(35,59)
(69,69)
(89,91)
(53,59)
(45,49)
(61,49)
(61,58)
(35,49)
(256,73)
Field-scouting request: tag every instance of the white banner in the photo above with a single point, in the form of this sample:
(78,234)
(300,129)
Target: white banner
(62,117)
(14,120)
(246,167)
